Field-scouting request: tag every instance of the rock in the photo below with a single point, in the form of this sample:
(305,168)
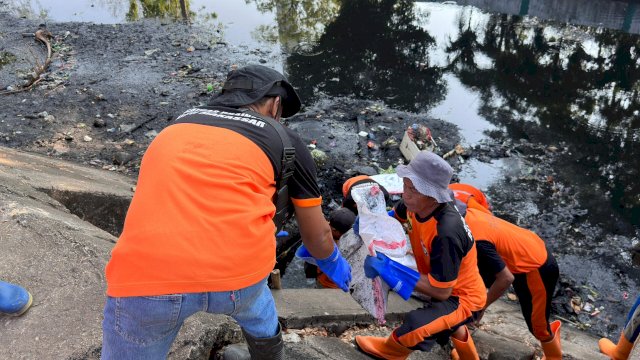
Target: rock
(127,127)
(87,138)
(151,134)
(291,337)
(99,123)
(122,157)
(151,52)
(337,329)
(365,170)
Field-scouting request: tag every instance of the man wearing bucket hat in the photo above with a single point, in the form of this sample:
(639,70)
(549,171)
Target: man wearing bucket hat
(447,267)
(199,234)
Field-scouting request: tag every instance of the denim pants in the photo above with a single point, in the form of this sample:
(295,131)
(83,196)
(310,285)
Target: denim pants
(144,327)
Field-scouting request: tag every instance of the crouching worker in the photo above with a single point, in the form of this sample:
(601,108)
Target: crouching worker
(510,254)
(470,196)
(14,300)
(199,234)
(447,267)
(622,350)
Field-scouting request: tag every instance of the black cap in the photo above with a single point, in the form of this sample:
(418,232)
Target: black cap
(342,219)
(251,83)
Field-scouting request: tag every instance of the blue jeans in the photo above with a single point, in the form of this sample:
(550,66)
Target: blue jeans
(144,327)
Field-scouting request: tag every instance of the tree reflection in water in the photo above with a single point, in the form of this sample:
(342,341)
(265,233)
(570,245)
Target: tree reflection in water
(156,8)
(589,101)
(373,50)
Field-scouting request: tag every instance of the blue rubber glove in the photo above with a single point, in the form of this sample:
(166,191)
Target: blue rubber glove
(335,266)
(400,278)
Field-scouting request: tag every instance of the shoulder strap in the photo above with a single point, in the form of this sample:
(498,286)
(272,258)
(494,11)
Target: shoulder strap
(284,208)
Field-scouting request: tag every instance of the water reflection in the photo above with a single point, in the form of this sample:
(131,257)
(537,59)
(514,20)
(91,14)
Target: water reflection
(297,21)
(176,9)
(373,50)
(620,15)
(548,86)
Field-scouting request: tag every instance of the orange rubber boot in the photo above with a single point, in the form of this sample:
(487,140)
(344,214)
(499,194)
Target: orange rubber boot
(621,351)
(464,350)
(552,349)
(385,348)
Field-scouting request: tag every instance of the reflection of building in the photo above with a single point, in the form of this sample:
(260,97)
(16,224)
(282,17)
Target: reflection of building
(619,15)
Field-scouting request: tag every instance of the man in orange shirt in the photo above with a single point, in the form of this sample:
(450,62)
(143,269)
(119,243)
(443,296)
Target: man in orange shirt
(510,254)
(199,234)
(470,196)
(447,267)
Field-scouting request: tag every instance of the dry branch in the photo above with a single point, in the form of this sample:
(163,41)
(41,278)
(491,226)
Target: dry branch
(43,36)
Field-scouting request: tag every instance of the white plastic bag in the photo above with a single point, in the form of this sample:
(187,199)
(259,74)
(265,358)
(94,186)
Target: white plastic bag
(378,230)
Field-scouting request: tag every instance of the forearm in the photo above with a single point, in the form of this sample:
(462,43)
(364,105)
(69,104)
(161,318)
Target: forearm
(495,291)
(315,231)
(503,280)
(425,287)
(319,244)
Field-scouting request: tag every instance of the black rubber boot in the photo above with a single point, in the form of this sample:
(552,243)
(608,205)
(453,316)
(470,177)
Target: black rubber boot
(257,348)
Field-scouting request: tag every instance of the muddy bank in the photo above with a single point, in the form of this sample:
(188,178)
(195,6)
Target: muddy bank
(110,89)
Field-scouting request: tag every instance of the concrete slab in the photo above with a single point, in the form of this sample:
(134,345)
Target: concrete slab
(97,196)
(502,335)
(300,308)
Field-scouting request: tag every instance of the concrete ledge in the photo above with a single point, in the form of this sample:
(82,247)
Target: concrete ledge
(300,308)
(502,335)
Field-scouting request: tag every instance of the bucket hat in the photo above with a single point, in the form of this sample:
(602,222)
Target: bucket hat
(430,174)
(251,83)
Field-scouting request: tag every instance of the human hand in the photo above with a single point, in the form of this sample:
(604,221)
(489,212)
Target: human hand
(336,268)
(400,278)
(478,317)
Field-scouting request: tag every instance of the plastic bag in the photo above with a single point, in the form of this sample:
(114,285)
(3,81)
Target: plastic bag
(378,230)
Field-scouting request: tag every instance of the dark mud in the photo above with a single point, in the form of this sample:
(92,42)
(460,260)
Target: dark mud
(111,88)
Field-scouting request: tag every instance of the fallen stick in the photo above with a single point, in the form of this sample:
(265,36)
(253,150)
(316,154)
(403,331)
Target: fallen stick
(43,36)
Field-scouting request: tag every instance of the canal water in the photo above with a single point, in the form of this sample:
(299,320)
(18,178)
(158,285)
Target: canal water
(562,73)
(539,69)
